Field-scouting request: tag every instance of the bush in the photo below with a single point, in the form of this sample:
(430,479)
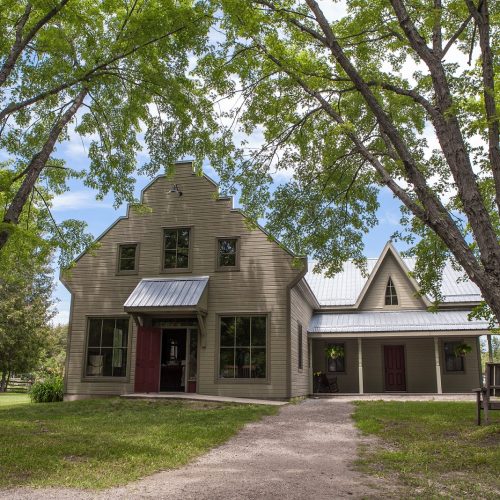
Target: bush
(48,391)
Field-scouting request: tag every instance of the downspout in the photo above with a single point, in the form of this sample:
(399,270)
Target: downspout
(68,335)
(289,288)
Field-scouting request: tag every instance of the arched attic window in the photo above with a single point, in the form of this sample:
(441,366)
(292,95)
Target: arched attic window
(391,297)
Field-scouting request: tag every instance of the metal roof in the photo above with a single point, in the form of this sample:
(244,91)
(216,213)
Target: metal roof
(167,292)
(400,321)
(344,288)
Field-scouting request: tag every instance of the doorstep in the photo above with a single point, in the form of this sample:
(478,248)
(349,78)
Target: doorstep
(201,397)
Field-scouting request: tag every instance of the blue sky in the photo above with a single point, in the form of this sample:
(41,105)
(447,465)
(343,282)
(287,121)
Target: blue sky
(80,203)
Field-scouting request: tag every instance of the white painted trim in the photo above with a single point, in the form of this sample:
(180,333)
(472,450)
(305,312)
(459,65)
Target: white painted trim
(439,384)
(360,365)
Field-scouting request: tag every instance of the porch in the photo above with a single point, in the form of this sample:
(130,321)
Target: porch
(393,364)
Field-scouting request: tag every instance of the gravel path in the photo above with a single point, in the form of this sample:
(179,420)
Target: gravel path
(305,452)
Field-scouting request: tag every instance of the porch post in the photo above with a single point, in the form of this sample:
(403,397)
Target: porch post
(310,366)
(438,366)
(360,365)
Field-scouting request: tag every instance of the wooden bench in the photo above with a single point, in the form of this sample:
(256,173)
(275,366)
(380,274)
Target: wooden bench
(486,397)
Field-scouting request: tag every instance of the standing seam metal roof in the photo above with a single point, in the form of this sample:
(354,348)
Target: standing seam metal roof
(167,292)
(400,321)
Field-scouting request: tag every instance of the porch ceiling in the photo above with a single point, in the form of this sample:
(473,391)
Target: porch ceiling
(394,321)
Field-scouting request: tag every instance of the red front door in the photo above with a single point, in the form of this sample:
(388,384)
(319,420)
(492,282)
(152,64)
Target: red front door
(147,362)
(394,359)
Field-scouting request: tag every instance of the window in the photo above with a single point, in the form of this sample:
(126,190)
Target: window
(452,362)
(300,348)
(107,342)
(337,363)
(391,297)
(227,253)
(127,258)
(243,342)
(176,248)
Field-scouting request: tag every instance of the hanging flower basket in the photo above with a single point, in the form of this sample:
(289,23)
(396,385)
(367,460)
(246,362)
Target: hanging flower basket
(462,349)
(334,351)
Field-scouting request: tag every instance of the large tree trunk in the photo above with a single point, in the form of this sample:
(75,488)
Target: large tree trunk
(35,167)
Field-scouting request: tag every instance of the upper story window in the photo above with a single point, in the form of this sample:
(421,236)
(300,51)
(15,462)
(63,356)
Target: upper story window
(176,248)
(453,362)
(107,346)
(227,253)
(127,258)
(391,297)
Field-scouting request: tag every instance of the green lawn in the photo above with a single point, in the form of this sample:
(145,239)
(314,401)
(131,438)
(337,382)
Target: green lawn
(433,449)
(105,442)
(10,398)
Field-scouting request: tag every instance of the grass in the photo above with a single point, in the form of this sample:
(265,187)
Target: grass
(11,398)
(432,449)
(106,442)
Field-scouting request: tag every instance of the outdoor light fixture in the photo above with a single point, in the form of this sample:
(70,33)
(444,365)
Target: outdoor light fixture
(175,189)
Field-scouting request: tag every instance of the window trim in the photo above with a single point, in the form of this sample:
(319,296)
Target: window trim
(252,381)
(452,372)
(395,294)
(300,348)
(120,272)
(344,371)
(107,379)
(236,267)
(176,270)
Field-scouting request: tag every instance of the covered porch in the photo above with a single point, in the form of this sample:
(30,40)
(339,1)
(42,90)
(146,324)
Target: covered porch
(398,352)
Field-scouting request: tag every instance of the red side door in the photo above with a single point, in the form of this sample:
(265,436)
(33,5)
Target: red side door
(394,359)
(147,363)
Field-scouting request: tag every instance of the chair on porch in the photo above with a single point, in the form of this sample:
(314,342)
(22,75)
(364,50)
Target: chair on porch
(328,383)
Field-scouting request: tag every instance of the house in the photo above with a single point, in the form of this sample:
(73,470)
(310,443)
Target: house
(190,297)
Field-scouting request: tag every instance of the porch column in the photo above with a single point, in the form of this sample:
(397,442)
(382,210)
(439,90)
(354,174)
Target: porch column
(310,366)
(360,365)
(438,366)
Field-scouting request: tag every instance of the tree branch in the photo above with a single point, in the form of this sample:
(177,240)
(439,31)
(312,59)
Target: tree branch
(36,166)
(20,43)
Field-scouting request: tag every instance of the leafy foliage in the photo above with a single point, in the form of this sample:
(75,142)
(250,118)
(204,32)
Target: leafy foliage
(50,390)
(346,106)
(130,61)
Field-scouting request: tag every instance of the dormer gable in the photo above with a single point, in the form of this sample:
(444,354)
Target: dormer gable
(389,286)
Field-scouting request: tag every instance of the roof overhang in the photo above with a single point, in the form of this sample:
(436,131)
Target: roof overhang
(397,323)
(169,295)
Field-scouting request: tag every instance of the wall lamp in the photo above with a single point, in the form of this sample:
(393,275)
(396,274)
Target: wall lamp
(175,189)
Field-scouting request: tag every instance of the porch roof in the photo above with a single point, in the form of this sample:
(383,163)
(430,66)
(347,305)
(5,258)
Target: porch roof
(393,321)
(154,293)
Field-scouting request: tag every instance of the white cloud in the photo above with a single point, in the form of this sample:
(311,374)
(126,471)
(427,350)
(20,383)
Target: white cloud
(61,318)
(77,200)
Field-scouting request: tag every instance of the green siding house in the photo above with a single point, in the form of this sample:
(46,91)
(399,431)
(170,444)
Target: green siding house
(188,297)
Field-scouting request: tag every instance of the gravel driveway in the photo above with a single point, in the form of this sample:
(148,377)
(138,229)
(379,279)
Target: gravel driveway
(304,452)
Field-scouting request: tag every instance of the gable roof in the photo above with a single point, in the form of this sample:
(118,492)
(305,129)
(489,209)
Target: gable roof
(347,288)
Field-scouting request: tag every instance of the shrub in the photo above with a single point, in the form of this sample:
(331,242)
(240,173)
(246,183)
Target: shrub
(49,390)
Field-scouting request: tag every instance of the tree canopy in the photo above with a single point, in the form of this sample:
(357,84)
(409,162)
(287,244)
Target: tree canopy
(115,73)
(380,97)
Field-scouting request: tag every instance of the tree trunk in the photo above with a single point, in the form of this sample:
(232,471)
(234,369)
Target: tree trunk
(490,349)
(3,382)
(35,167)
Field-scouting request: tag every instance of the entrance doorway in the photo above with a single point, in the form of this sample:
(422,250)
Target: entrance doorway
(167,357)
(173,360)
(394,360)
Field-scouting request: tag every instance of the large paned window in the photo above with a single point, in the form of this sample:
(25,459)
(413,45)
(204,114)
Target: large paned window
(176,248)
(337,364)
(127,258)
(391,297)
(243,341)
(452,362)
(107,342)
